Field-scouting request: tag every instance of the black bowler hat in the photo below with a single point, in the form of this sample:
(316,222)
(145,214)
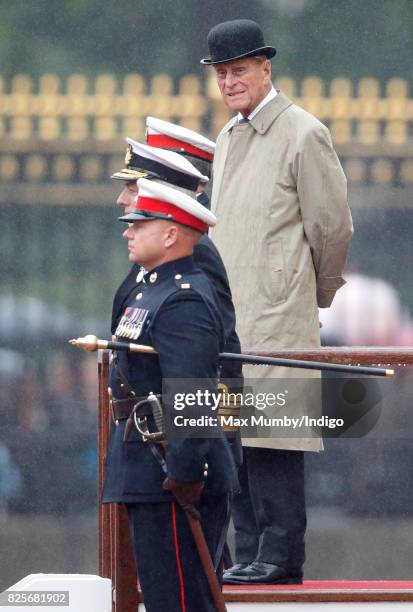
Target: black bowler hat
(235,39)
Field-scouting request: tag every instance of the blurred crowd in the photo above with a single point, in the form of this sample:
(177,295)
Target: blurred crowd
(48,434)
(367,311)
(366,476)
(49,403)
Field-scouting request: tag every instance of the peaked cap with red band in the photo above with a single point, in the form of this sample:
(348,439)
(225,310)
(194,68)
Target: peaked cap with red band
(143,161)
(165,135)
(157,201)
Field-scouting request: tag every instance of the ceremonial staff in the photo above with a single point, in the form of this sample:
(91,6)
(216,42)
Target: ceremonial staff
(207,564)
(92,343)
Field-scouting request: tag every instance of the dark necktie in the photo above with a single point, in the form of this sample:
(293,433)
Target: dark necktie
(243,120)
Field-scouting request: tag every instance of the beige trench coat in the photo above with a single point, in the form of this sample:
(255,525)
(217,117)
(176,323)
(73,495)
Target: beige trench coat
(284,229)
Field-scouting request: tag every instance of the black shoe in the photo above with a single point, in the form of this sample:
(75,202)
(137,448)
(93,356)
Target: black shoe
(265,573)
(234,570)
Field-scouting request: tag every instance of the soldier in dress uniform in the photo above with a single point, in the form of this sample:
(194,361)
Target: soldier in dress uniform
(172,308)
(185,162)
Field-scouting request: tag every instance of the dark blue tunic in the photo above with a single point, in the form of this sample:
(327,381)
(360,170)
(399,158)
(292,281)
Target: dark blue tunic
(208,259)
(176,313)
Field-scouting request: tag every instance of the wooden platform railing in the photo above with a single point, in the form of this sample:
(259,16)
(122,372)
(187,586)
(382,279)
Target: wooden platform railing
(115,549)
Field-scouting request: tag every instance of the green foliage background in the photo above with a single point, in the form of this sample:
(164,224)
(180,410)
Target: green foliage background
(352,38)
(328,38)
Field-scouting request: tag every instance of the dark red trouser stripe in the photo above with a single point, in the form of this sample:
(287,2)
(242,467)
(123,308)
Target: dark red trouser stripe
(178,561)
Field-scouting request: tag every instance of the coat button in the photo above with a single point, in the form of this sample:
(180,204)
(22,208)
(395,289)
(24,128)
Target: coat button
(178,276)
(139,296)
(153,277)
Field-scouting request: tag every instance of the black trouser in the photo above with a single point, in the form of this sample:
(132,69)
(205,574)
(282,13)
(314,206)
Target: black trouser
(269,513)
(169,568)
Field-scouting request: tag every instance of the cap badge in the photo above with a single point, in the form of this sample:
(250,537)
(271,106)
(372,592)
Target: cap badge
(129,155)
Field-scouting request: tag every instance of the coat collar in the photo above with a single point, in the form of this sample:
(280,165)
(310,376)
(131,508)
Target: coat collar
(266,116)
(181,266)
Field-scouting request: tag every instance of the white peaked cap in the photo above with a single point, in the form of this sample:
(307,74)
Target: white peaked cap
(170,159)
(178,137)
(143,161)
(158,201)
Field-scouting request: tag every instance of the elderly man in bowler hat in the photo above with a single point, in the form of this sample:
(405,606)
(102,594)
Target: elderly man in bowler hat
(285,227)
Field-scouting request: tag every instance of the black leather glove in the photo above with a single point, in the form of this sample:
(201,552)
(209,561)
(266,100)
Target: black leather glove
(187,494)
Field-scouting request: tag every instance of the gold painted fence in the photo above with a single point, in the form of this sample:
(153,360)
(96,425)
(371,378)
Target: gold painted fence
(78,108)
(56,131)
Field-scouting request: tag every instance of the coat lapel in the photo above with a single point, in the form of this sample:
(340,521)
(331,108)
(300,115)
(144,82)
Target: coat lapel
(261,123)
(271,111)
(225,138)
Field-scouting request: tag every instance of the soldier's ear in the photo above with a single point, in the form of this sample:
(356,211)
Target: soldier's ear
(171,235)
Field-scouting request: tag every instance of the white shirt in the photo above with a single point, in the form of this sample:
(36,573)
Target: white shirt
(270,96)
